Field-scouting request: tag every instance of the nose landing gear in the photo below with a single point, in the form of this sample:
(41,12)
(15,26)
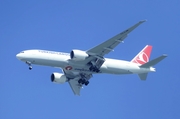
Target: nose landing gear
(30,67)
(29,64)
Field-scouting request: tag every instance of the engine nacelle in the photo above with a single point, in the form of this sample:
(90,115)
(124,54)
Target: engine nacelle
(58,78)
(78,55)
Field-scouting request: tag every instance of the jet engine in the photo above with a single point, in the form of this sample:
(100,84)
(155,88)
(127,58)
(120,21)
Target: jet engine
(78,55)
(58,78)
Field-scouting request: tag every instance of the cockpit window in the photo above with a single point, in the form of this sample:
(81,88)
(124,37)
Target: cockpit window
(22,52)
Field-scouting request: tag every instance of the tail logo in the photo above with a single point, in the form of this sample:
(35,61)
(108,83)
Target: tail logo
(142,58)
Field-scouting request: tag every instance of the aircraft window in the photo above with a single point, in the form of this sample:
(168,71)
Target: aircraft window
(22,52)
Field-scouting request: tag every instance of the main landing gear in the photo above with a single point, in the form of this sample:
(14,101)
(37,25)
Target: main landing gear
(94,69)
(96,64)
(83,81)
(29,64)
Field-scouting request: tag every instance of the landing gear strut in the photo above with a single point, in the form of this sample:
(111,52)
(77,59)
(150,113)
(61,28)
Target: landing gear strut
(29,64)
(96,64)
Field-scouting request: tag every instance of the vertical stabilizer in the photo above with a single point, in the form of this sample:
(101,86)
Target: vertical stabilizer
(143,76)
(143,56)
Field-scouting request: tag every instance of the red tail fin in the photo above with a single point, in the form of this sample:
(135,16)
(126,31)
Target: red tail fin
(143,56)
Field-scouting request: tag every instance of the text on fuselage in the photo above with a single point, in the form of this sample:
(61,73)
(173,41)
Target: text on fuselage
(53,52)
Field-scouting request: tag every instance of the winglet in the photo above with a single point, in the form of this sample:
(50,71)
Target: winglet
(142,21)
(133,27)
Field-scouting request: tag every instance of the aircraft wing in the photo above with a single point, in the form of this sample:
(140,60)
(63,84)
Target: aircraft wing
(109,45)
(75,86)
(96,56)
(73,80)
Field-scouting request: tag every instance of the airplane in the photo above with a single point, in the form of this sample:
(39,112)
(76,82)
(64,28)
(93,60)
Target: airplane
(78,66)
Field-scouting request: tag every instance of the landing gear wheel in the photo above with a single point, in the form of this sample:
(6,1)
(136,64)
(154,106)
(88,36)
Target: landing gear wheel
(83,81)
(30,67)
(94,69)
(97,70)
(29,64)
(80,81)
(86,83)
(91,68)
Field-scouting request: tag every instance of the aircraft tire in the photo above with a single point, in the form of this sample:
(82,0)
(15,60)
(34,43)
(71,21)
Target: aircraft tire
(30,67)
(86,83)
(80,81)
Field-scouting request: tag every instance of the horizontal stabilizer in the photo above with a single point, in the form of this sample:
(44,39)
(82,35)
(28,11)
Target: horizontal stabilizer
(143,76)
(154,61)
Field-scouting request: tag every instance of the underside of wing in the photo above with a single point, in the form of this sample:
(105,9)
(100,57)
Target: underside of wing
(75,86)
(76,80)
(110,44)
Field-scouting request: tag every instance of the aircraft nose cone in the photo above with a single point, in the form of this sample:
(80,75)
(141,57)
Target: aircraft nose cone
(18,56)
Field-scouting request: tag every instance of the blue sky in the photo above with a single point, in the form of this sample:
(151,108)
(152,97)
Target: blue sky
(66,25)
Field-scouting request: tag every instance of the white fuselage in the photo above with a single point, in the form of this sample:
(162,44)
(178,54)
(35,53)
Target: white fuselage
(63,60)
